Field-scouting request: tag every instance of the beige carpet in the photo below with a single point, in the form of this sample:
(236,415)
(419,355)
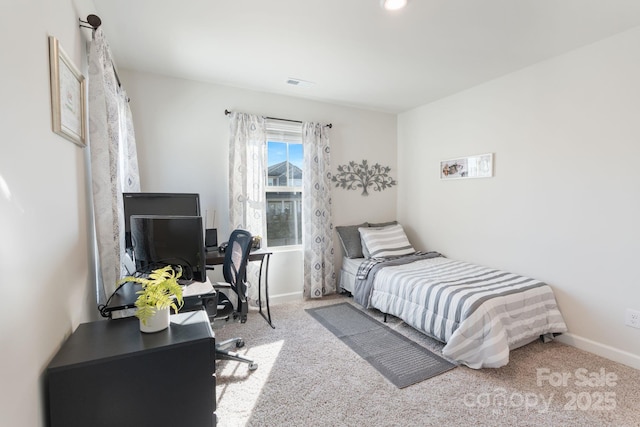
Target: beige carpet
(308,377)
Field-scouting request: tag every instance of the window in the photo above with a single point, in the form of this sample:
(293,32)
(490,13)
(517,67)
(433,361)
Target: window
(284,183)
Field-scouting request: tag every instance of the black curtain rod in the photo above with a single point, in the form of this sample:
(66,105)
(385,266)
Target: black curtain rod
(227,112)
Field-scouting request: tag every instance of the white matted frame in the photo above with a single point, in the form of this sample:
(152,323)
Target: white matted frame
(67,95)
(479,166)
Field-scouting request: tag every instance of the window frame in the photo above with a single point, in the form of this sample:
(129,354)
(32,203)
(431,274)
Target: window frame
(289,133)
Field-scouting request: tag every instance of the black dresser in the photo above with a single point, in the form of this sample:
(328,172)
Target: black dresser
(108,373)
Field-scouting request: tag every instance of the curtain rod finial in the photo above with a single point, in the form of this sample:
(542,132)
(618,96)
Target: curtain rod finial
(93,20)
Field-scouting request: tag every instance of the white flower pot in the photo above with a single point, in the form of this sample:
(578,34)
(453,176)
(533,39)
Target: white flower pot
(158,322)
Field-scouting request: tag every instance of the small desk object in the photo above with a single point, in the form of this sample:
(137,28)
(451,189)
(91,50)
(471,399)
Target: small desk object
(108,373)
(262,255)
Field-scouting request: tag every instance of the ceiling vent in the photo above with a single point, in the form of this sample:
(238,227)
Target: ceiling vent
(299,83)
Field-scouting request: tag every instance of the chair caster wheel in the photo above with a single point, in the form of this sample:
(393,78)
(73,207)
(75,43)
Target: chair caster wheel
(253,366)
(239,344)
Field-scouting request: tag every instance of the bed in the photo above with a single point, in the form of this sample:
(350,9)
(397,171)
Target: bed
(480,313)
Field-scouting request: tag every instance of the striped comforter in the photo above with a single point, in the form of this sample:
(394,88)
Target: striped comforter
(479,312)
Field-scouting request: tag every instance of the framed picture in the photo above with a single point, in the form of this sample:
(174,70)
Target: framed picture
(480,166)
(67,95)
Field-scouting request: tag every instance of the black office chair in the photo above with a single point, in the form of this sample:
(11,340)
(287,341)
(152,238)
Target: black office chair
(234,272)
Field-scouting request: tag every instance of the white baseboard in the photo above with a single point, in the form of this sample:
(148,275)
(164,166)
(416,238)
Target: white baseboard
(293,296)
(599,349)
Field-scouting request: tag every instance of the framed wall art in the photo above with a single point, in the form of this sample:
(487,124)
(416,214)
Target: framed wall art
(480,166)
(67,95)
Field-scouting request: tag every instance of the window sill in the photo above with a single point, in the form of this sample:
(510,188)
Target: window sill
(278,249)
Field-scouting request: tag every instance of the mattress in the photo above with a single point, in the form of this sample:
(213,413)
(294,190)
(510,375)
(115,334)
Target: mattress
(348,273)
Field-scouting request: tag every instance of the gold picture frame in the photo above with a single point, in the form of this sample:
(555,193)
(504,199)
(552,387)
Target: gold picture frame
(67,95)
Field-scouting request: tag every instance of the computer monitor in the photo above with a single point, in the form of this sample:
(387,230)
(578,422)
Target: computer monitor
(160,240)
(187,204)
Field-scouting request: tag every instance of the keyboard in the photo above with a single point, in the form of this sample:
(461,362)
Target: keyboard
(198,288)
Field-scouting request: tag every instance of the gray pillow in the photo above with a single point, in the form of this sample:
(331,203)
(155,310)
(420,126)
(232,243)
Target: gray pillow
(383,224)
(350,239)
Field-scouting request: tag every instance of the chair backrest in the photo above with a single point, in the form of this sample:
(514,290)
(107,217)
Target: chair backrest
(235,264)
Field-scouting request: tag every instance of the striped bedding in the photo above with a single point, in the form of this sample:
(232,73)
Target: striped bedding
(479,312)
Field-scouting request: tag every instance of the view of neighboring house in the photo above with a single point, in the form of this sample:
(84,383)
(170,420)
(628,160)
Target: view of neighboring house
(284,208)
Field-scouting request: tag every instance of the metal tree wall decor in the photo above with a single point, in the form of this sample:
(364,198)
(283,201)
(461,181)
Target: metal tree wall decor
(353,176)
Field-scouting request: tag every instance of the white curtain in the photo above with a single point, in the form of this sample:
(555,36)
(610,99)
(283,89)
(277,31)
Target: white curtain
(247,204)
(319,274)
(114,163)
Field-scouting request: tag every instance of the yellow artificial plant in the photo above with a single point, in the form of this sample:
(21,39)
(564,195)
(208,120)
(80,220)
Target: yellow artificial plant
(160,290)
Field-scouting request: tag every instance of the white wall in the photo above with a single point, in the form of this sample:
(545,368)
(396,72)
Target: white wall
(564,203)
(45,275)
(183,137)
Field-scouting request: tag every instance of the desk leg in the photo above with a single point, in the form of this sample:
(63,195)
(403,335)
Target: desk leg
(266,289)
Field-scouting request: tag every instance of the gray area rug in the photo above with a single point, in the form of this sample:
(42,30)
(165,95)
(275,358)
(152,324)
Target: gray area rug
(400,360)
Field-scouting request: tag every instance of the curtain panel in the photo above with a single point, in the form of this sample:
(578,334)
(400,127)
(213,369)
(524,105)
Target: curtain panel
(319,270)
(114,164)
(247,175)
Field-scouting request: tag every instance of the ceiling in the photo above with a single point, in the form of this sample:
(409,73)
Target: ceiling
(356,53)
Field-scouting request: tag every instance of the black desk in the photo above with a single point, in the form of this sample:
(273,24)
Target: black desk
(196,296)
(217,258)
(108,373)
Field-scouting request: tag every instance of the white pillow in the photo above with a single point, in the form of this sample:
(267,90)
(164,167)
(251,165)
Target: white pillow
(385,242)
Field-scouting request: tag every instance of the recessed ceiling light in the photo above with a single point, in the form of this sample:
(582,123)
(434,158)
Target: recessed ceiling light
(393,4)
